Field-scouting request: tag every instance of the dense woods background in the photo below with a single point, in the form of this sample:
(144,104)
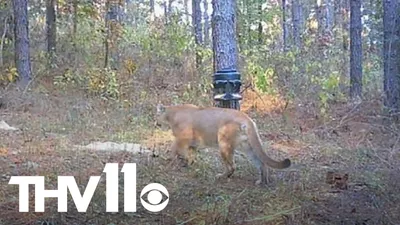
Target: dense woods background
(321,50)
(321,77)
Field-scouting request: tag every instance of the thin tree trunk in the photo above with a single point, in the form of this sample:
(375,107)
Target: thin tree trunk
(355,50)
(197,29)
(206,24)
(284,27)
(296,15)
(338,15)
(75,32)
(170,2)
(319,8)
(151,6)
(330,16)
(21,32)
(249,23)
(7,39)
(165,6)
(185,5)
(239,25)
(129,12)
(345,24)
(391,49)
(260,27)
(51,30)
(112,25)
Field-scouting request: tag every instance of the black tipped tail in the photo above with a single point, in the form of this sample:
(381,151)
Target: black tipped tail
(286,163)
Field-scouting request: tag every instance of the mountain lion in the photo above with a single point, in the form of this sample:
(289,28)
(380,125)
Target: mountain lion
(227,129)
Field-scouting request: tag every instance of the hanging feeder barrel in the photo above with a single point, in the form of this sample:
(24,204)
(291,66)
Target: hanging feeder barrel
(227,89)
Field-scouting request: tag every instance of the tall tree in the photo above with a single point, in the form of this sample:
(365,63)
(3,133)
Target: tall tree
(7,36)
(330,16)
(170,2)
(197,29)
(249,11)
(165,7)
(206,23)
(186,8)
(22,45)
(391,49)
(224,35)
(51,30)
(129,12)
(113,26)
(297,22)
(152,7)
(355,50)
(345,23)
(285,29)
(260,19)
(320,14)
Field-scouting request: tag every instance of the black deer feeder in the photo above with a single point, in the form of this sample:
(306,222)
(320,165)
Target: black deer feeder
(227,89)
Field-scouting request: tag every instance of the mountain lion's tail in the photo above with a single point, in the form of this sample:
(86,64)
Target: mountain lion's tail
(255,144)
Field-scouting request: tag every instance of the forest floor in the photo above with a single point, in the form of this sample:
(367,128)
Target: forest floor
(345,170)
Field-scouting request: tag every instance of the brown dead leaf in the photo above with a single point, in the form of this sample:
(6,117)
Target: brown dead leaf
(3,151)
(337,180)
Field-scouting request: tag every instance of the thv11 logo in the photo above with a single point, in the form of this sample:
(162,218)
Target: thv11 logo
(82,202)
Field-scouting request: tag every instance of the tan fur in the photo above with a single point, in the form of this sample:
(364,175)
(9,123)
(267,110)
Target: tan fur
(227,129)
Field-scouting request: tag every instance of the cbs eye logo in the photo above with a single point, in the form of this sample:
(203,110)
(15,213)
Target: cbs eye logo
(155,193)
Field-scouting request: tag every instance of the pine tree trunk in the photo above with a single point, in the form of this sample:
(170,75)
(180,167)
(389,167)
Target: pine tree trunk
(285,30)
(206,24)
(355,50)
(197,29)
(391,23)
(330,16)
(296,17)
(319,9)
(51,30)
(260,27)
(113,33)
(21,32)
(186,8)
(224,35)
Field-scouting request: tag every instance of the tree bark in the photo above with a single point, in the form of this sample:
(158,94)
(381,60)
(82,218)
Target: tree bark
(74,32)
(186,8)
(113,33)
(345,24)
(285,30)
(260,27)
(51,30)
(165,6)
(151,6)
(319,9)
(21,32)
(330,16)
(355,50)
(391,41)
(297,23)
(224,35)
(206,24)
(197,29)
(170,2)
(7,38)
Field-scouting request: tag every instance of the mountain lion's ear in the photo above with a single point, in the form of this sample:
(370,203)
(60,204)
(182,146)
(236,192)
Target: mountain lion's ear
(160,108)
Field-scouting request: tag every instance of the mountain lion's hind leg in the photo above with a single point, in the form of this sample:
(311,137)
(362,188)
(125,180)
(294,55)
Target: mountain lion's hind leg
(262,172)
